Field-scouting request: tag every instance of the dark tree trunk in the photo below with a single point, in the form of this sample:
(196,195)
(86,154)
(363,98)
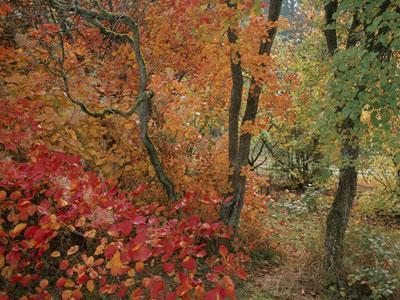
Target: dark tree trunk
(239,147)
(339,214)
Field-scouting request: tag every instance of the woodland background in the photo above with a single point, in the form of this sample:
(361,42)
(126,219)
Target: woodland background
(199,149)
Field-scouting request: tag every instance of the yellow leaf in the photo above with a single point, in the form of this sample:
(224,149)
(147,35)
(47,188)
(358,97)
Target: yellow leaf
(90,285)
(129,282)
(99,249)
(116,266)
(55,254)
(101,161)
(128,125)
(18,229)
(6,272)
(69,283)
(131,273)
(116,260)
(73,250)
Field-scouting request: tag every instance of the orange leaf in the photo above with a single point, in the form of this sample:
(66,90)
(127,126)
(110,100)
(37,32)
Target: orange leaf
(90,285)
(139,266)
(44,283)
(18,229)
(55,254)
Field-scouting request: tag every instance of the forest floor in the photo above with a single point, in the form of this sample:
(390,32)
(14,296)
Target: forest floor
(290,265)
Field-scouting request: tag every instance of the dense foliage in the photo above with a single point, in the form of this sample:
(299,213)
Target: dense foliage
(151,149)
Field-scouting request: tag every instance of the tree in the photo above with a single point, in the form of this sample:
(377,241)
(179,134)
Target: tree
(353,89)
(95,17)
(239,144)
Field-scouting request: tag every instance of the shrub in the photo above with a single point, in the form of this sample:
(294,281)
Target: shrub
(374,266)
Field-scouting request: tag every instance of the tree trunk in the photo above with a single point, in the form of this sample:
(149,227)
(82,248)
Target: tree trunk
(144,112)
(239,148)
(339,214)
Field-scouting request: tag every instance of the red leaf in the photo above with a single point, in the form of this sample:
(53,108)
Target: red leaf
(136,294)
(110,250)
(82,279)
(241,274)
(13,258)
(142,253)
(201,253)
(193,221)
(171,296)
(61,282)
(125,227)
(3,195)
(211,277)
(223,251)
(15,195)
(229,199)
(168,268)
(188,263)
(51,28)
(156,286)
(218,269)
(139,189)
(63,265)
(212,295)
(138,220)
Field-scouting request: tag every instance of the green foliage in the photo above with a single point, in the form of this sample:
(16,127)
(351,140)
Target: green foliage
(375,261)
(296,139)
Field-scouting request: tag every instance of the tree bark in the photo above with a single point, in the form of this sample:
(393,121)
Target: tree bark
(339,214)
(239,147)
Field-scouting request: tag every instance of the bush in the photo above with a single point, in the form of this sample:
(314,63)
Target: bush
(66,232)
(374,265)
(71,234)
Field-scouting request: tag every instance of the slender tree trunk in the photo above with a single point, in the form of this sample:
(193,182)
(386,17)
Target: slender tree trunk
(144,115)
(339,214)
(239,147)
(144,112)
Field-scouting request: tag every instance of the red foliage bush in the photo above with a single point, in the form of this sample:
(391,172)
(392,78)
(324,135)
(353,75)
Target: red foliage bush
(70,233)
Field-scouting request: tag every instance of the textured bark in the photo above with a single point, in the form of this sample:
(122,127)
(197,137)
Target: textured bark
(234,110)
(398,184)
(339,214)
(239,147)
(144,115)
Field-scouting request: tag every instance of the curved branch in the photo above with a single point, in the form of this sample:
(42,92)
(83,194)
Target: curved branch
(143,103)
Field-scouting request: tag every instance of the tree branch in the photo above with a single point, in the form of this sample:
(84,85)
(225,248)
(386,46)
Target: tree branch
(143,104)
